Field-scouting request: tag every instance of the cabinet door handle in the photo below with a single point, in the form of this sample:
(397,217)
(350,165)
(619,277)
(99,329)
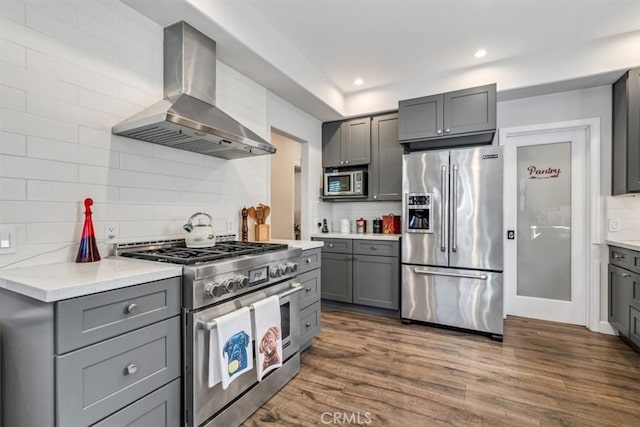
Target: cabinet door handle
(439,131)
(447,130)
(308,260)
(330,245)
(346,162)
(342,162)
(308,289)
(131,369)
(375,197)
(131,308)
(307,324)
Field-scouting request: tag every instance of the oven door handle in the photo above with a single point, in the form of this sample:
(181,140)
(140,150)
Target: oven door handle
(295,287)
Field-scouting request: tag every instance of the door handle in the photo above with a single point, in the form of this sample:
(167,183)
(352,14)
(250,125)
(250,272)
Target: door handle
(442,273)
(454,208)
(443,212)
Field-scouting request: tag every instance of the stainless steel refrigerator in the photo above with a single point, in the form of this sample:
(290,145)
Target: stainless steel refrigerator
(452,247)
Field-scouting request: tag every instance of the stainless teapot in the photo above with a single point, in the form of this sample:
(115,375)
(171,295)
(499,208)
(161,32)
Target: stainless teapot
(199,235)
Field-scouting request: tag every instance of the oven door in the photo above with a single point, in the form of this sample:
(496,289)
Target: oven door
(202,402)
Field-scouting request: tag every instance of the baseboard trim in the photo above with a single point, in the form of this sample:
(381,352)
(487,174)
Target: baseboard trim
(606,328)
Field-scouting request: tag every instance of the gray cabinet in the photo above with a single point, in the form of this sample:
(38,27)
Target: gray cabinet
(346,143)
(432,121)
(310,277)
(359,271)
(385,171)
(92,359)
(624,294)
(626,133)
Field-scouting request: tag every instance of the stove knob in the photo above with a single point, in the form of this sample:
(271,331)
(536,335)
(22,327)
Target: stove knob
(290,268)
(243,281)
(277,271)
(212,289)
(228,285)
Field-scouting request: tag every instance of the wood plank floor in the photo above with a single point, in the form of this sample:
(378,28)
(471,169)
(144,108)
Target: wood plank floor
(372,370)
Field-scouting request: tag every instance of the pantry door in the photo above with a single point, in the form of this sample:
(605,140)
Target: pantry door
(546,215)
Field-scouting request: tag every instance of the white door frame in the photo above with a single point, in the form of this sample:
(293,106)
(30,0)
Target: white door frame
(593,215)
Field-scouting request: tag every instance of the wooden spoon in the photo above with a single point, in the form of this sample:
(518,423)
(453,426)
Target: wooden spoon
(252,214)
(266,211)
(260,214)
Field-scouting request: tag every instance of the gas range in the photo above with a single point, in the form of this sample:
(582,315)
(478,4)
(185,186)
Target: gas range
(222,272)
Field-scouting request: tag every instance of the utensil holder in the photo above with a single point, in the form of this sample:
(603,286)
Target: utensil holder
(263,233)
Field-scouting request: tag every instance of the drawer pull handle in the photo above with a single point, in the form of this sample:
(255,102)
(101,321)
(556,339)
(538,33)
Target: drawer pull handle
(618,256)
(308,289)
(330,245)
(307,324)
(308,260)
(131,308)
(131,369)
(374,248)
(626,275)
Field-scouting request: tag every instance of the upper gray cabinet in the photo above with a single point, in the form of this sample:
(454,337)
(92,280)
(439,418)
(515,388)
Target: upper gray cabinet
(626,133)
(433,121)
(385,171)
(346,143)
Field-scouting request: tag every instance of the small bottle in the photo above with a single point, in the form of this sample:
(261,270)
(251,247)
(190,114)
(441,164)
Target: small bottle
(88,250)
(325,229)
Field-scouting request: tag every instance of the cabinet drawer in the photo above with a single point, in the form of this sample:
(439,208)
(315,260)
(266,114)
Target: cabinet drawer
(93,318)
(311,283)
(309,322)
(98,380)
(634,326)
(376,247)
(310,260)
(337,246)
(159,409)
(621,257)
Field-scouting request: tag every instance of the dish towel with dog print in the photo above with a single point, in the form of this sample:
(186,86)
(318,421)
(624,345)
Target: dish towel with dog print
(266,322)
(235,353)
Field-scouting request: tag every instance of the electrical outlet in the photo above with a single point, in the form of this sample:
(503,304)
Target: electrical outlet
(229,226)
(8,235)
(111,232)
(613,225)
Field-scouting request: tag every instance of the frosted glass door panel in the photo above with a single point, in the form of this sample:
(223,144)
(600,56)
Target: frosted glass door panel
(544,221)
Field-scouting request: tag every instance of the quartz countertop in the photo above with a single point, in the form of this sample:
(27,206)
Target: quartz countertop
(627,244)
(366,236)
(55,282)
(302,244)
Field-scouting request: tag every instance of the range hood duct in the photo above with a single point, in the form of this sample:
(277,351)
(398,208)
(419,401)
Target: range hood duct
(187,117)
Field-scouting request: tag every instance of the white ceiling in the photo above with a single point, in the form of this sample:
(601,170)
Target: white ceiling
(309,52)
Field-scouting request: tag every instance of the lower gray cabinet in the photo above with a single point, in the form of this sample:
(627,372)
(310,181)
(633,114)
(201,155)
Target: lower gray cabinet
(361,271)
(310,278)
(96,381)
(376,281)
(634,326)
(620,296)
(337,277)
(159,409)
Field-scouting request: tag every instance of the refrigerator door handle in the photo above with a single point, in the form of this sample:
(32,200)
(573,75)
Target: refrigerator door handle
(442,273)
(443,207)
(454,208)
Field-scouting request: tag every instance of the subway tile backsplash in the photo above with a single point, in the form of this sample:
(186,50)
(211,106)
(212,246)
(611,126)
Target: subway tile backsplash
(623,211)
(68,72)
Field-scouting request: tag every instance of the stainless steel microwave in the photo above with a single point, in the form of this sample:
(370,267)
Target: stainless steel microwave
(345,183)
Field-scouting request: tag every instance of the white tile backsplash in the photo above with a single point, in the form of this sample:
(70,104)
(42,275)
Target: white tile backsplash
(625,210)
(336,211)
(76,68)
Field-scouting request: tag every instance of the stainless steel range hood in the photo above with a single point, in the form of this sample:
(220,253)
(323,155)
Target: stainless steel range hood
(187,117)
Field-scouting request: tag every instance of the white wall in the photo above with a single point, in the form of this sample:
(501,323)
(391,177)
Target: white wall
(68,72)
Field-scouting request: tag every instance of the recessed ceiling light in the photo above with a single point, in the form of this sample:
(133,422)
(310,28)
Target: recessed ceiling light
(358,81)
(480,53)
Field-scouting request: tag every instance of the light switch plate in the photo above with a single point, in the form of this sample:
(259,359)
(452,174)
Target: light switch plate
(613,225)
(8,237)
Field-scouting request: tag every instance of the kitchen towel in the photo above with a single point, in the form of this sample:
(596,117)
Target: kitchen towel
(234,353)
(266,321)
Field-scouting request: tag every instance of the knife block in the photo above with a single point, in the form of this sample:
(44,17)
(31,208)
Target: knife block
(263,233)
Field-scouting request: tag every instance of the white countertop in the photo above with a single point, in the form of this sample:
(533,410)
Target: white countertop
(302,244)
(366,236)
(627,244)
(55,282)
